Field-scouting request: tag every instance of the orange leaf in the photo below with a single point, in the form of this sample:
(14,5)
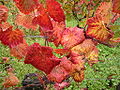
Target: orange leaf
(20,50)
(26,21)
(26,6)
(11,38)
(96,29)
(92,56)
(86,46)
(78,76)
(11,80)
(55,10)
(3,13)
(72,36)
(104,10)
(116,6)
(88,49)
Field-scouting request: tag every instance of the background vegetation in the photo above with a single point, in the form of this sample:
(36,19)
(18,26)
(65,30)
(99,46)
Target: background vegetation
(105,75)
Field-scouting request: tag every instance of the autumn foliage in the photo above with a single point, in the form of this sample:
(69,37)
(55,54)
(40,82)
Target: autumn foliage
(79,43)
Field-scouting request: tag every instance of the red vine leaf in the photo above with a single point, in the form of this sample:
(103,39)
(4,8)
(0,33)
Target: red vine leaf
(20,50)
(116,6)
(11,38)
(3,13)
(26,6)
(41,57)
(104,10)
(72,36)
(43,19)
(61,71)
(55,10)
(96,29)
(56,34)
(5,26)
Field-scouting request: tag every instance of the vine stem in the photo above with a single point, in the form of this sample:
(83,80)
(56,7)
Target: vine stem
(45,37)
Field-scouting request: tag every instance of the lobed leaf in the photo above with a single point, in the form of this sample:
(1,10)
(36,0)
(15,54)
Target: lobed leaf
(97,29)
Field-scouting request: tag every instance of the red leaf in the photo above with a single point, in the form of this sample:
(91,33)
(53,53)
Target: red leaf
(61,71)
(11,38)
(116,6)
(20,50)
(26,21)
(41,57)
(3,13)
(26,6)
(5,26)
(43,19)
(55,10)
(96,29)
(72,37)
(55,35)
